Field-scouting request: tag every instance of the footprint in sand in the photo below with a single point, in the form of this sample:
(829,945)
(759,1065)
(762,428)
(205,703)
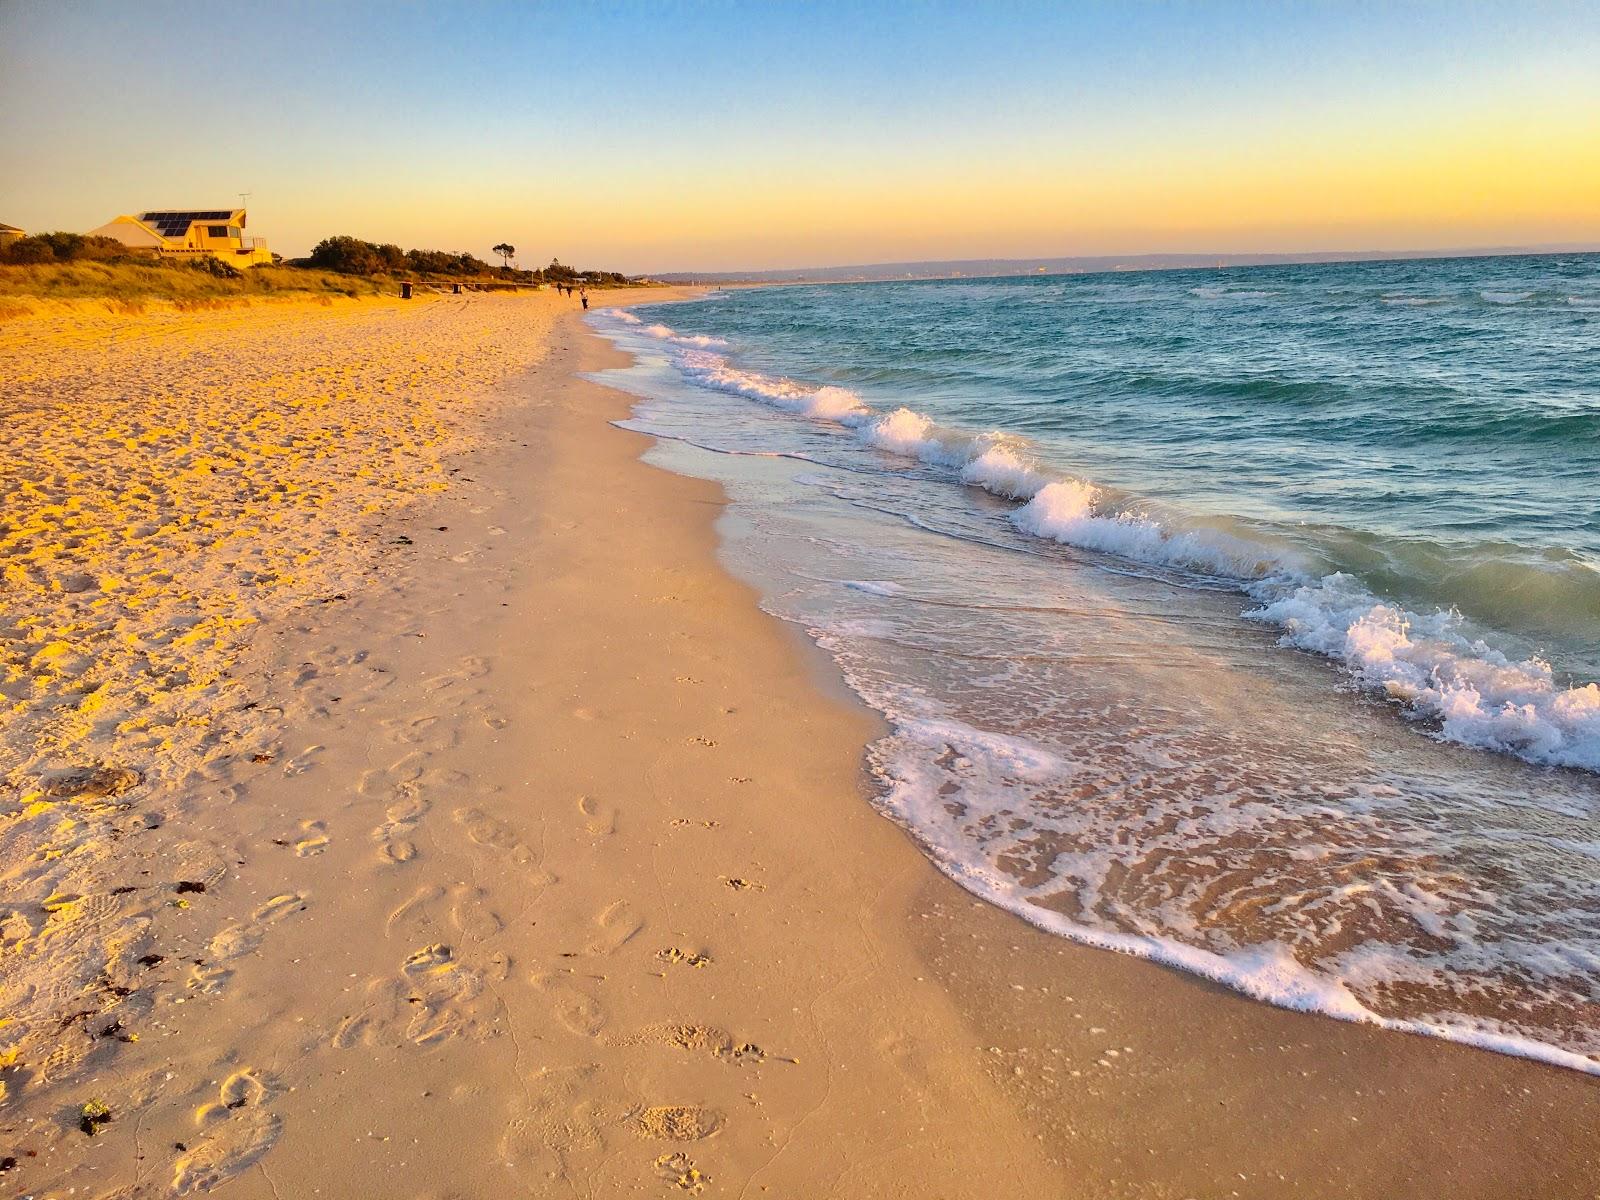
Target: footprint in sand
(235,941)
(493,833)
(196,862)
(424,916)
(618,923)
(560,1121)
(442,994)
(313,839)
(570,1003)
(303,762)
(678,1171)
(382,782)
(471,668)
(393,835)
(435,998)
(90,783)
(411,731)
(599,818)
(401,783)
(682,957)
(706,1039)
(237,1129)
(278,907)
(677,1122)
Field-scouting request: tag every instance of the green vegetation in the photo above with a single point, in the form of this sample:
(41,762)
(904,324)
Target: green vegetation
(189,283)
(557,272)
(61,247)
(352,256)
(75,266)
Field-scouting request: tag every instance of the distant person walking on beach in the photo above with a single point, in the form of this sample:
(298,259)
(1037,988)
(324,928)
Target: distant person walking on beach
(584,296)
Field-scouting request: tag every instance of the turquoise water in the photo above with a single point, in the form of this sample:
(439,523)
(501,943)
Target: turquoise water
(1431,427)
(1247,620)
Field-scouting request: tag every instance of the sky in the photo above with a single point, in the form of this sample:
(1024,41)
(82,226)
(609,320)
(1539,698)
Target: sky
(717,136)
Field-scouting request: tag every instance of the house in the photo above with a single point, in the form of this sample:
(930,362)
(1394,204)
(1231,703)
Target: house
(218,232)
(9,234)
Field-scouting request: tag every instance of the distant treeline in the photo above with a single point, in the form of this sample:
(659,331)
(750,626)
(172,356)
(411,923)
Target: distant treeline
(343,255)
(353,256)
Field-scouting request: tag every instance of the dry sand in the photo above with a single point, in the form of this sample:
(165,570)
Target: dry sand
(460,829)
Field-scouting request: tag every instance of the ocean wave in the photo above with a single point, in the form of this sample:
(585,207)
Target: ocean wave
(874,587)
(925,758)
(667,334)
(1477,695)
(826,403)
(1469,691)
(1223,293)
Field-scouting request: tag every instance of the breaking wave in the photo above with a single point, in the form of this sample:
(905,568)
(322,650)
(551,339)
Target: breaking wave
(1456,684)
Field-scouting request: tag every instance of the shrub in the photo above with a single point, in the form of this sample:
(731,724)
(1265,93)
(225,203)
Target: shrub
(346,255)
(214,266)
(30,250)
(62,247)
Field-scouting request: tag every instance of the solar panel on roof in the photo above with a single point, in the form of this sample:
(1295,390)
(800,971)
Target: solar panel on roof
(174,223)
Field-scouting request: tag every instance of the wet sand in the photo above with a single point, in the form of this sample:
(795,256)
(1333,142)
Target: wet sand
(508,848)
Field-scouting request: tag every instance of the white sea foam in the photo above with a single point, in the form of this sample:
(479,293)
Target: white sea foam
(1473,693)
(874,587)
(946,780)
(1091,827)
(1064,512)
(1005,471)
(1222,293)
(825,403)
(667,334)
(1506,297)
(1478,695)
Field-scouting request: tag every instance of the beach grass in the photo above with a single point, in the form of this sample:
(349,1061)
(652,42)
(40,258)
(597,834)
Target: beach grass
(130,286)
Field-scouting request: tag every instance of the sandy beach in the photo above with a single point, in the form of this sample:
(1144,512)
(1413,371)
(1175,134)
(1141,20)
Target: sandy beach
(402,801)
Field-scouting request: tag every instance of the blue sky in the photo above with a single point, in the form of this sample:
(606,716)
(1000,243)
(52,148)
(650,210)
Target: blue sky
(660,136)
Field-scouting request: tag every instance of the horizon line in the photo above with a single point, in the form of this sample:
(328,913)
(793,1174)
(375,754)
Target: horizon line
(1150,260)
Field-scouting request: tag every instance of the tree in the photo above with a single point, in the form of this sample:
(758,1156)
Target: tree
(506,251)
(347,255)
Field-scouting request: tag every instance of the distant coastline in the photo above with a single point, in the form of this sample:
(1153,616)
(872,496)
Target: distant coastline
(996,268)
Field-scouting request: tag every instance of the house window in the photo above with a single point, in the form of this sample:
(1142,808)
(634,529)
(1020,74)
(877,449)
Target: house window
(221,231)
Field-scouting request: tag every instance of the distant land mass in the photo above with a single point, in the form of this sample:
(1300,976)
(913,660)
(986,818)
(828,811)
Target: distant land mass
(992,267)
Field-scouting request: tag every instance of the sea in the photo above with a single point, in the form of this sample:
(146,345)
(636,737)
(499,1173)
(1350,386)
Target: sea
(1245,620)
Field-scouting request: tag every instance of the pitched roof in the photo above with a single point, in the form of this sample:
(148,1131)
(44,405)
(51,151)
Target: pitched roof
(173,223)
